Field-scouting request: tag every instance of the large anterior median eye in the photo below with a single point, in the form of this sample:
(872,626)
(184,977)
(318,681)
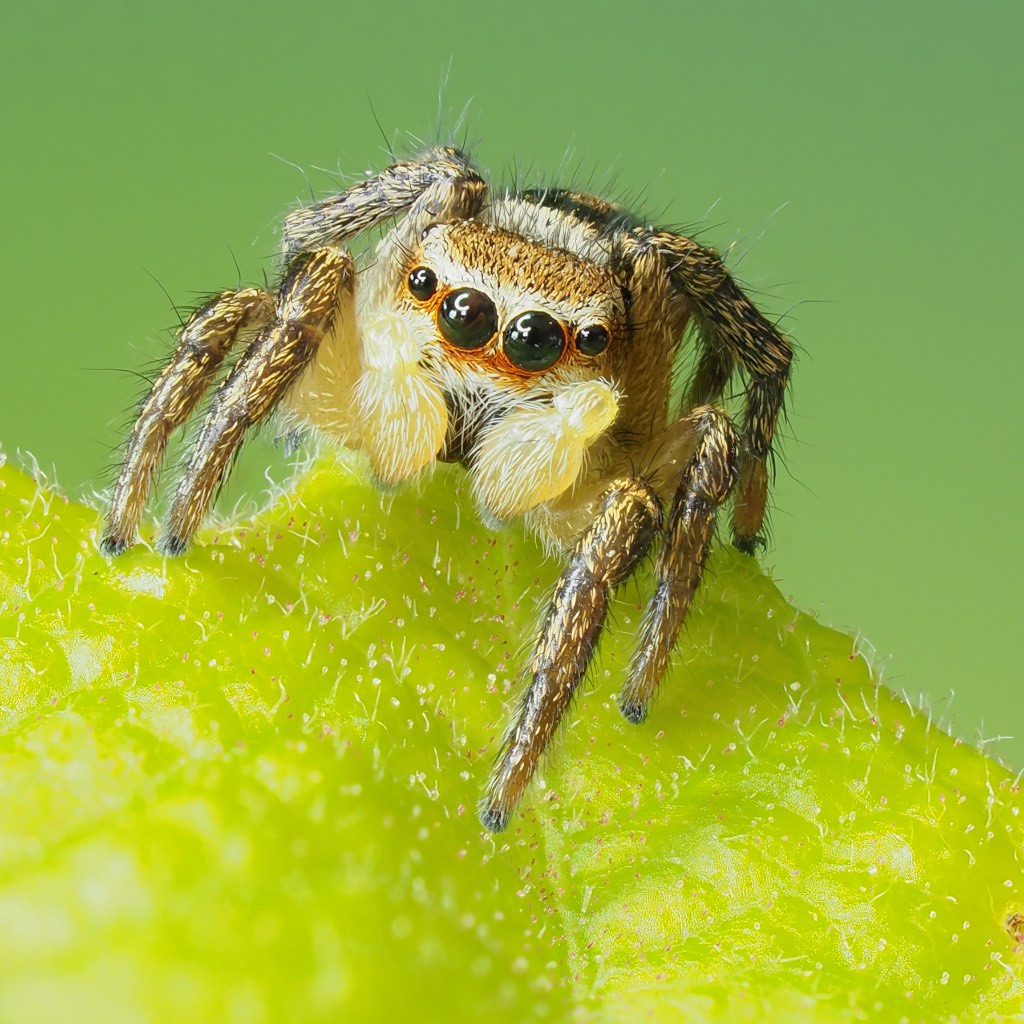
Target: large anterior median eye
(467,318)
(534,341)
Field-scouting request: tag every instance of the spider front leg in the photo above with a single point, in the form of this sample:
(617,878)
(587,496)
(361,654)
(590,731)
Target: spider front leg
(202,345)
(318,287)
(441,184)
(607,554)
(706,482)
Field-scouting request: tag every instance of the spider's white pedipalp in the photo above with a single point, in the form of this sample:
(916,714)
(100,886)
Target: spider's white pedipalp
(538,451)
(401,409)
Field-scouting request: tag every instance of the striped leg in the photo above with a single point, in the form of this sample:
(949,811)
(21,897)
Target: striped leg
(318,287)
(202,345)
(707,480)
(440,185)
(734,334)
(603,557)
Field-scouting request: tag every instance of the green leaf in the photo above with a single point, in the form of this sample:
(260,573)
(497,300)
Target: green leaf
(240,786)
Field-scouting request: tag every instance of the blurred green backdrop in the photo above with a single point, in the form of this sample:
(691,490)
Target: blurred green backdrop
(865,161)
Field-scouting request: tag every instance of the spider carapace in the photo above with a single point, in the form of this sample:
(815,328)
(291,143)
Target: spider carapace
(530,336)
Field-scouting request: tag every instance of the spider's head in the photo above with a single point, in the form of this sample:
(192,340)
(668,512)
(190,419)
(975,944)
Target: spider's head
(523,334)
(510,311)
(496,351)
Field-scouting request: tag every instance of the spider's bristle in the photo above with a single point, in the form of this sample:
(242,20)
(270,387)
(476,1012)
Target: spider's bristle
(748,545)
(111,545)
(493,818)
(171,545)
(633,711)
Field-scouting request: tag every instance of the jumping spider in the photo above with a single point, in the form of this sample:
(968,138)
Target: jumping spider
(529,336)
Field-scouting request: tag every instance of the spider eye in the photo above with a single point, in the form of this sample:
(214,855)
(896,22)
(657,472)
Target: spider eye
(422,283)
(592,340)
(468,318)
(534,341)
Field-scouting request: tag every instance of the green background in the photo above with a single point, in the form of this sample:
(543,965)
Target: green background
(863,161)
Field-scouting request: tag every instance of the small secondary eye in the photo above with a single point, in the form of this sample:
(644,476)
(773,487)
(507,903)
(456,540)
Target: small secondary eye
(468,318)
(422,283)
(592,340)
(534,341)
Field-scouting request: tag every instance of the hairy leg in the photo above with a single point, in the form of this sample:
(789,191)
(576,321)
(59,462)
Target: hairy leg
(441,183)
(735,333)
(318,287)
(202,345)
(606,554)
(706,482)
